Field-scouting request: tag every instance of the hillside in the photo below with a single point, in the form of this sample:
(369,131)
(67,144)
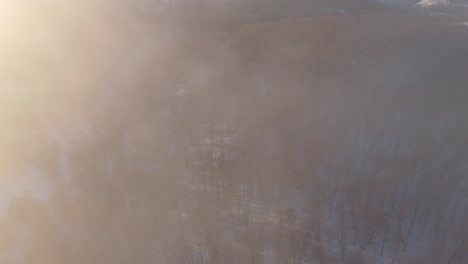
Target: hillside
(293,135)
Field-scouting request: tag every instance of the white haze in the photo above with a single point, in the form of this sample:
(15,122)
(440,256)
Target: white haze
(263,131)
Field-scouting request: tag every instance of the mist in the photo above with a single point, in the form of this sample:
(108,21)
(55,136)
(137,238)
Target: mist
(233,131)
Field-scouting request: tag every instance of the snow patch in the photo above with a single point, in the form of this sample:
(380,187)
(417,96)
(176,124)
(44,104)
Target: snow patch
(431,3)
(417,3)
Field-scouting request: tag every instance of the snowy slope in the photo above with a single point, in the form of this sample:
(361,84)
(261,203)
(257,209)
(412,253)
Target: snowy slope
(423,3)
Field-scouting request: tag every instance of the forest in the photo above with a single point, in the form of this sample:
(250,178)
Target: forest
(217,132)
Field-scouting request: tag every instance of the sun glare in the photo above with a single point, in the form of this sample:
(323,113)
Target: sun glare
(36,60)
